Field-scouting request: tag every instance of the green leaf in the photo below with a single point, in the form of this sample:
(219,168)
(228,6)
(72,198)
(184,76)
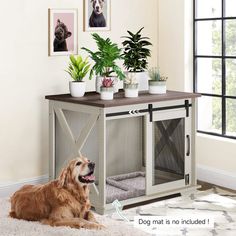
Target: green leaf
(79,60)
(136,51)
(77,66)
(73,60)
(105,57)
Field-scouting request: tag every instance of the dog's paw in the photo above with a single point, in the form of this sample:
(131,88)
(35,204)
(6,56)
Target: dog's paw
(100,227)
(96,226)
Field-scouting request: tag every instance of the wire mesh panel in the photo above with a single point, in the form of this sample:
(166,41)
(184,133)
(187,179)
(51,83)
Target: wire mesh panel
(169,153)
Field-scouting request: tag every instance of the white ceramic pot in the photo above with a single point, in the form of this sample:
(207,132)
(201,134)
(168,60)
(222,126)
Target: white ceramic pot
(77,89)
(131,90)
(99,83)
(157,87)
(142,80)
(106,93)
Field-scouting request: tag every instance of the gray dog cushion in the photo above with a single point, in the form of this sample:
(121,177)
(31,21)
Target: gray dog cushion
(125,186)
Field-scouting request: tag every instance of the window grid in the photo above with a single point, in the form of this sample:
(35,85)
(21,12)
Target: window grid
(223,58)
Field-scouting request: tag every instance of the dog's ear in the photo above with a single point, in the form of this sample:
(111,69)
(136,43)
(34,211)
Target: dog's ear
(58,22)
(68,34)
(62,177)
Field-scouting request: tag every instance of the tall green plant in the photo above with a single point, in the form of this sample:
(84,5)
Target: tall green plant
(105,58)
(136,51)
(78,68)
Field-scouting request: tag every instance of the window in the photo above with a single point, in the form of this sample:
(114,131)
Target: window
(215,66)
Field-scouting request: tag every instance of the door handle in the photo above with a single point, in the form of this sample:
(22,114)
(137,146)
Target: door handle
(188,145)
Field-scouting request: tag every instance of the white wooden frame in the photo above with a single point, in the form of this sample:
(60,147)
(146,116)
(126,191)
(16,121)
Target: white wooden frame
(98,116)
(51,30)
(56,110)
(160,116)
(87,16)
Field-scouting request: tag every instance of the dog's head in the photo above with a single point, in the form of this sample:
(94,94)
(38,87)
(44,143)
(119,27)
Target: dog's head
(61,31)
(79,171)
(98,6)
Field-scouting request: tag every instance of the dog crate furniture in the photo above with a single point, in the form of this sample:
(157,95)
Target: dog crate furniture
(143,147)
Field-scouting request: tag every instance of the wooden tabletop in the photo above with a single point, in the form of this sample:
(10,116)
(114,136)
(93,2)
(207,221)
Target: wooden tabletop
(93,98)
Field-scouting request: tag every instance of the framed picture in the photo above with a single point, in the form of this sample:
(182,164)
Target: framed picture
(97,15)
(63,30)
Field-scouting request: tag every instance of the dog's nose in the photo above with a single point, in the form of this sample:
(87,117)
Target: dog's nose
(91,165)
(97,8)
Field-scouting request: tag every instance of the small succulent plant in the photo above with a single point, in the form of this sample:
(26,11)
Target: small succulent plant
(154,74)
(130,79)
(107,82)
(163,78)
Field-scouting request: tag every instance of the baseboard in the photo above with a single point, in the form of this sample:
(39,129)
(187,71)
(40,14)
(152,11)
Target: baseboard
(8,189)
(216,176)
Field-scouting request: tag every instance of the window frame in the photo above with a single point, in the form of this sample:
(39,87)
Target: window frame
(223,58)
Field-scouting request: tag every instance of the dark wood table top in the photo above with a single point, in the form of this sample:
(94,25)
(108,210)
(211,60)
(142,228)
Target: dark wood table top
(93,98)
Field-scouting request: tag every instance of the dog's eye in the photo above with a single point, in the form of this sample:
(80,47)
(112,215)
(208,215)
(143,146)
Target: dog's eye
(79,163)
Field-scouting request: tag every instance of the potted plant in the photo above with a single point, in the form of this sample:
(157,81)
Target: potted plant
(105,61)
(107,89)
(77,69)
(157,84)
(131,86)
(136,53)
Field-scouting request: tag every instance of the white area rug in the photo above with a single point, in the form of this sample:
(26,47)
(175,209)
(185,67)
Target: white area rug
(216,203)
(13,227)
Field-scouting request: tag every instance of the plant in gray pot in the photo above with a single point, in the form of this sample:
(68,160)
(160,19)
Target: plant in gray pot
(107,89)
(77,69)
(131,86)
(105,61)
(157,83)
(136,53)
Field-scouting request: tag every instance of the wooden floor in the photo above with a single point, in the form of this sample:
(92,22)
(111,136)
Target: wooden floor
(206,186)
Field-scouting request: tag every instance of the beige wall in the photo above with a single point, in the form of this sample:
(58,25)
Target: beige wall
(171,42)
(217,153)
(175,59)
(175,43)
(27,74)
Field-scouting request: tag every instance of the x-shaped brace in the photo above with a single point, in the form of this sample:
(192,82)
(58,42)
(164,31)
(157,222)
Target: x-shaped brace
(167,140)
(78,143)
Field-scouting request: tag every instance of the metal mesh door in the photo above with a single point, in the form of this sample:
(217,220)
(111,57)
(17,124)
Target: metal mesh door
(169,149)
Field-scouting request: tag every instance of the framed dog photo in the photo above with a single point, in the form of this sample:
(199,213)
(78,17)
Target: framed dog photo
(63,30)
(97,15)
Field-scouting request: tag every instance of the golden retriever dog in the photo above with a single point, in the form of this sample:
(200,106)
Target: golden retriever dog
(62,202)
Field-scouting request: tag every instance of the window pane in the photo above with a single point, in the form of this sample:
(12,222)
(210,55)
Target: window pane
(231,117)
(230,8)
(231,77)
(209,114)
(230,26)
(208,8)
(209,38)
(209,74)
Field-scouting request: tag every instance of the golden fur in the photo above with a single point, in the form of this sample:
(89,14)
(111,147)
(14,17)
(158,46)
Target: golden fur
(62,202)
